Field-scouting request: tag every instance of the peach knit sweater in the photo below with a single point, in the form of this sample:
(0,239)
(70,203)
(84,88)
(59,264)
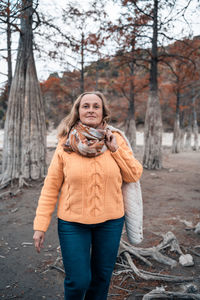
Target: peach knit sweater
(90,188)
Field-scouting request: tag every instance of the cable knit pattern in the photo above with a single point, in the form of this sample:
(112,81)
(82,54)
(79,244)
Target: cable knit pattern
(90,188)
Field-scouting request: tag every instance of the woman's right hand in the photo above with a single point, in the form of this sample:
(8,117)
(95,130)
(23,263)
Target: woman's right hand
(38,240)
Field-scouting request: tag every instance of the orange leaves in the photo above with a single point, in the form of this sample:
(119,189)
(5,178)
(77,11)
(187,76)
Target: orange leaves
(52,83)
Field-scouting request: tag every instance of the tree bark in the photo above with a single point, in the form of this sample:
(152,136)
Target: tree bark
(82,63)
(195,126)
(153,122)
(188,145)
(9,50)
(130,126)
(177,130)
(176,135)
(182,139)
(196,135)
(24,148)
(153,134)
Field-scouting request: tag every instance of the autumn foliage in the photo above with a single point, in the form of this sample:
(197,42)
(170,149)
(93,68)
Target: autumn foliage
(178,73)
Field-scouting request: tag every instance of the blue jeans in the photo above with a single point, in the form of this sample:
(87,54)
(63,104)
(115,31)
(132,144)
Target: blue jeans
(89,253)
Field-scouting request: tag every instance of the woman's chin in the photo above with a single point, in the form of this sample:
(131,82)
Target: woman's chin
(91,124)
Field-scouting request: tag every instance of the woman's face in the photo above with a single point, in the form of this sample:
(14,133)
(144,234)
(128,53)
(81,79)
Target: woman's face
(91,110)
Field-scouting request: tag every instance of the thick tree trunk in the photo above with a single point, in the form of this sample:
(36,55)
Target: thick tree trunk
(153,134)
(24,148)
(153,122)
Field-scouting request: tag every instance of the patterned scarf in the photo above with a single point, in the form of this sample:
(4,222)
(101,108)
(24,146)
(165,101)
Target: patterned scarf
(86,141)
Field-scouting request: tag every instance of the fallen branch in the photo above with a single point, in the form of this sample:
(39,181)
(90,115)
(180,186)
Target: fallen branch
(169,240)
(57,268)
(154,276)
(160,293)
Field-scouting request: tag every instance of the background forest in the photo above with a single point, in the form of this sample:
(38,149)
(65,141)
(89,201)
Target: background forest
(111,76)
(143,55)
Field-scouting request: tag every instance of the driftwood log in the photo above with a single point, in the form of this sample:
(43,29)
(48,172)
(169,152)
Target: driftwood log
(169,241)
(160,293)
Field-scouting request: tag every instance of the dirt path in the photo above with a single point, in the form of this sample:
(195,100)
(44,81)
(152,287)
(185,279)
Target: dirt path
(171,196)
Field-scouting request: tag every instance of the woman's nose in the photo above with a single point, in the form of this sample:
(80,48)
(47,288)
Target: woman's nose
(91,109)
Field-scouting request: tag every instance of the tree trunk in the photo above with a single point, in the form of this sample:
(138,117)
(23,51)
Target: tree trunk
(195,126)
(24,148)
(153,134)
(9,59)
(82,63)
(130,126)
(177,130)
(97,76)
(130,131)
(176,136)
(153,122)
(188,146)
(196,135)
(182,139)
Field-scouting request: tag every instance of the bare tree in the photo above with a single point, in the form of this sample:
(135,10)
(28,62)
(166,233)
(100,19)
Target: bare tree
(127,32)
(85,35)
(24,147)
(152,158)
(9,16)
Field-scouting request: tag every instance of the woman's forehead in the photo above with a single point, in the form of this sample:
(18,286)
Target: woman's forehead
(91,98)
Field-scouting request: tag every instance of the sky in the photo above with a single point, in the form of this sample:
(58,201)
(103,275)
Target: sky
(45,66)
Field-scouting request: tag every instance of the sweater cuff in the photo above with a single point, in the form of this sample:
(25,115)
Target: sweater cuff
(41,225)
(117,152)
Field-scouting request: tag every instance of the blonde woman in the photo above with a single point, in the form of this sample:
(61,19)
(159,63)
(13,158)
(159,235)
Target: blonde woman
(88,168)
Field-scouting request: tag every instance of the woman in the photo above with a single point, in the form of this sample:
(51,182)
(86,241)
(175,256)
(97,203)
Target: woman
(88,167)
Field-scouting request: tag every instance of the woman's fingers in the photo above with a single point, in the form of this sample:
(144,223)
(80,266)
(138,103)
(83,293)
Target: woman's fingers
(38,240)
(111,141)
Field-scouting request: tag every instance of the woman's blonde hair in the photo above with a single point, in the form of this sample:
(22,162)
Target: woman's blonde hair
(69,121)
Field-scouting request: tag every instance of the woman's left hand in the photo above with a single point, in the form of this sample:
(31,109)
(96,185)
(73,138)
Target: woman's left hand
(111,141)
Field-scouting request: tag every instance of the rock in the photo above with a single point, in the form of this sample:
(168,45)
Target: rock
(186,260)
(191,288)
(197,228)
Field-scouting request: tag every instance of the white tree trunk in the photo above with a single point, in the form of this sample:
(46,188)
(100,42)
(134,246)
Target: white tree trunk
(33,127)
(153,134)
(182,139)
(176,136)
(188,140)
(196,135)
(24,149)
(130,131)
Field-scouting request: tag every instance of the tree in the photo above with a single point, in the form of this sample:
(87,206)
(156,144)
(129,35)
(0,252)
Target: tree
(152,158)
(127,32)
(183,59)
(24,134)
(85,36)
(9,15)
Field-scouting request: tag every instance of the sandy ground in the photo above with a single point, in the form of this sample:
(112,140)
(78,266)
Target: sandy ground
(171,197)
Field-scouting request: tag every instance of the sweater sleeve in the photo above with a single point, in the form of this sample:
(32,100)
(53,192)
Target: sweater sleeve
(49,192)
(131,168)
